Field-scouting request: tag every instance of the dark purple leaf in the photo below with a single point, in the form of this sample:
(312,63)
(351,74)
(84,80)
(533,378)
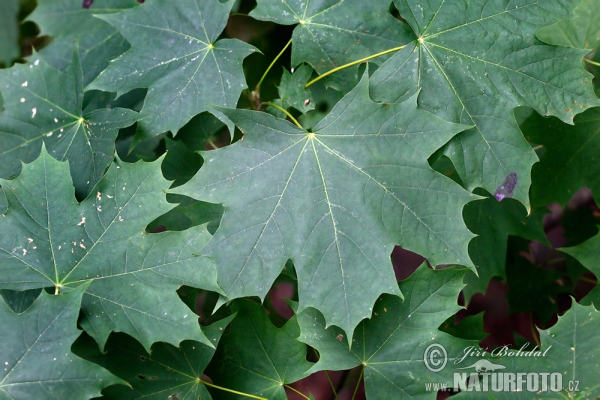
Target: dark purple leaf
(87,3)
(507,188)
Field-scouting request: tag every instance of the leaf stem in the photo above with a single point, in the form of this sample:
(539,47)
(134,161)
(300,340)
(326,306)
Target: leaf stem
(327,375)
(534,331)
(297,391)
(257,88)
(318,78)
(597,64)
(536,148)
(232,391)
(212,144)
(555,260)
(583,278)
(332,386)
(283,110)
(362,371)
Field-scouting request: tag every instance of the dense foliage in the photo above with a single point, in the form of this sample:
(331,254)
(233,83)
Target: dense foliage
(297,198)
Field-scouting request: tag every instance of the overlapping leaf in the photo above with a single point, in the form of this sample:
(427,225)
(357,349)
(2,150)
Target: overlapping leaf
(37,362)
(47,239)
(493,222)
(572,351)
(475,62)
(397,342)
(66,20)
(588,254)
(335,32)
(43,105)
(164,372)
(570,160)
(335,200)
(257,358)
(532,286)
(9,31)
(20,301)
(582,32)
(292,93)
(175,54)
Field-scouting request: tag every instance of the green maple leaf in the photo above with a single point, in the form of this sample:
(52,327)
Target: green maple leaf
(257,358)
(335,32)
(175,54)
(3,203)
(292,93)
(475,63)
(582,32)
(20,301)
(43,105)
(9,31)
(37,362)
(572,351)
(533,287)
(164,372)
(570,160)
(335,200)
(187,214)
(47,239)
(494,222)
(392,345)
(98,41)
(181,163)
(588,255)
(470,327)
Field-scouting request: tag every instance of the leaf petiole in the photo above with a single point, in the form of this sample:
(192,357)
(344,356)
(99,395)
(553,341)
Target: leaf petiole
(297,391)
(362,371)
(328,377)
(341,67)
(212,144)
(332,385)
(257,88)
(283,110)
(597,64)
(232,391)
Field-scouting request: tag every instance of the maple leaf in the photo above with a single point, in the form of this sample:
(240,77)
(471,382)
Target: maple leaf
(587,254)
(332,33)
(20,301)
(43,105)
(335,200)
(570,350)
(570,160)
(533,289)
(494,222)
(98,41)
(292,93)
(36,351)
(582,32)
(9,31)
(175,54)
(476,62)
(47,239)
(393,345)
(164,372)
(257,358)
